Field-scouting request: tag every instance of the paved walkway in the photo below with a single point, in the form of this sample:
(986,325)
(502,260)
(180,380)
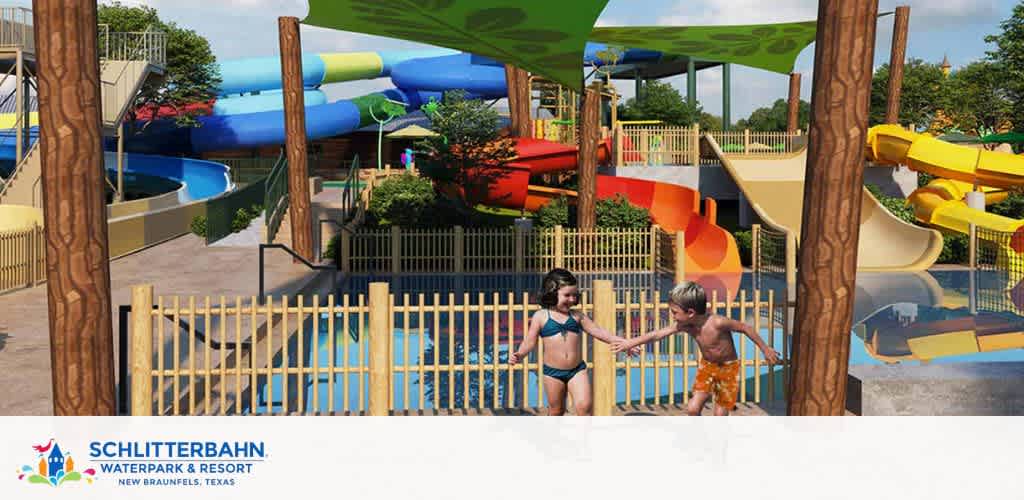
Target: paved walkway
(183,266)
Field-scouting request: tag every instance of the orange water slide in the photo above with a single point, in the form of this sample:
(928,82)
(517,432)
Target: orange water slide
(712,256)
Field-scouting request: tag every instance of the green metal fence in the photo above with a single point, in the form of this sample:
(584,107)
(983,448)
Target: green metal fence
(221,211)
(276,199)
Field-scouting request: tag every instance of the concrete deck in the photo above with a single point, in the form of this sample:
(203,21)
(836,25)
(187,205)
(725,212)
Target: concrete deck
(183,266)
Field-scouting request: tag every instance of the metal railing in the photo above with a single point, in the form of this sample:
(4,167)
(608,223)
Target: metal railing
(16,28)
(286,248)
(147,45)
(276,197)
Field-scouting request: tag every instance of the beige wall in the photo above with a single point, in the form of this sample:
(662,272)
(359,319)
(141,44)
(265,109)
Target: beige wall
(133,233)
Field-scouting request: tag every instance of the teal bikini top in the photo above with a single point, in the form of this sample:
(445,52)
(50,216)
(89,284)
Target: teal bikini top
(552,327)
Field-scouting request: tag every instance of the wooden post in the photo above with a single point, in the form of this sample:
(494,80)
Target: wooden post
(696,144)
(142,351)
(459,249)
(680,256)
(590,129)
(793,115)
(746,140)
(20,113)
(559,247)
(791,262)
(604,360)
(380,341)
(74,208)
(755,246)
(520,249)
(899,50)
(295,136)
(655,229)
(31,246)
(843,55)
(345,251)
(619,132)
(518,84)
(396,249)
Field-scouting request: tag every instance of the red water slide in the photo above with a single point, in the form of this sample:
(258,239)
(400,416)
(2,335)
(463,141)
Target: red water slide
(711,251)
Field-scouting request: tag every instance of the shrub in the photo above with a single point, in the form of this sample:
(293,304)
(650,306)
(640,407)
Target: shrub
(896,206)
(555,213)
(255,211)
(744,242)
(954,249)
(621,213)
(198,226)
(402,201)
(1012,207)
(332,248)
(240,221)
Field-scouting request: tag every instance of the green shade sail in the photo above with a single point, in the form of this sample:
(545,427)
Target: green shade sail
(1008,137)
(772,47)
(541,36)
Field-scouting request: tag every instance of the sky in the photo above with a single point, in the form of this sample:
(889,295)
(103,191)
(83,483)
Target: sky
(248,28)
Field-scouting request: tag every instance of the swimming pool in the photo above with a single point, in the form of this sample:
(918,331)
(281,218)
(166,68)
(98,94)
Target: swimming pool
(914,318)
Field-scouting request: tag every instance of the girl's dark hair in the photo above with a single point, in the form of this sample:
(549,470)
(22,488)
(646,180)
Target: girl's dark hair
(553,281)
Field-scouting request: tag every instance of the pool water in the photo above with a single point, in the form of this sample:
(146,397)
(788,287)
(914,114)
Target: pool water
(910,318)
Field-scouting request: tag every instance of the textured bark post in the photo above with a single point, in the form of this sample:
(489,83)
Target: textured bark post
(74,208)
(295,136)
(518,82)
(899,52)
(827,259)
(900,26)
(793,117)
(590,131)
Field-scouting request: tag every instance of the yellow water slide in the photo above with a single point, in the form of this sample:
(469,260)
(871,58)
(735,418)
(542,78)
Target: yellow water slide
(960,169)
(774,187)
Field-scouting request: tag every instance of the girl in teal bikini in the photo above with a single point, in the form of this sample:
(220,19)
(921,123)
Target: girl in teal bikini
(562,329)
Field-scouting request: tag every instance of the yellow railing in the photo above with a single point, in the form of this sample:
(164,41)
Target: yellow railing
(22,258)
(486,250)
(382,353)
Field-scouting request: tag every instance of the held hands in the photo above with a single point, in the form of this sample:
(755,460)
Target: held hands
(771,356)
(514,358)
(620,344)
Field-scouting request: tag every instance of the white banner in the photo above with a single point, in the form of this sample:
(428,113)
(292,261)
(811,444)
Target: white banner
(483,458)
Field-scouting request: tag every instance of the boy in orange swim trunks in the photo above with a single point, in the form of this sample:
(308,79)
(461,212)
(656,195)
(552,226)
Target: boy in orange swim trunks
(719,368)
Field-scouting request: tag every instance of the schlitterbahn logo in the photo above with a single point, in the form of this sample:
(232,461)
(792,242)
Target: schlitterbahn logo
(53,467)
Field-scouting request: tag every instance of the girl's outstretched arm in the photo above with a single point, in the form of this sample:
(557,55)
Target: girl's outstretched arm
(529,343)
(595,330)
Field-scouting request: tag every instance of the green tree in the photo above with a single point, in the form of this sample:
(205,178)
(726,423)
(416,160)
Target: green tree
(469,151)
(709,121)
(191,74)
(661,101)
(976,98)
(921,93)
(1008,58)
(388,110)
(776,118)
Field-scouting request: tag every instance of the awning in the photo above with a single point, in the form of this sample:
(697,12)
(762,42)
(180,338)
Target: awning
(541,36)
(411,132)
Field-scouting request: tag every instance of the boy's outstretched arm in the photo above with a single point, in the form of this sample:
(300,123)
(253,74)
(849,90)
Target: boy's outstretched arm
(599,333)
(769,354)
(646,338)
(528,344)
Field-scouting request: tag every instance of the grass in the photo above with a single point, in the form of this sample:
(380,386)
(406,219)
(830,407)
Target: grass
(499,216)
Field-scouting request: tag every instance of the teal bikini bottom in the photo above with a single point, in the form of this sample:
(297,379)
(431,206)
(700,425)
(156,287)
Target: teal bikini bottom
(564,375)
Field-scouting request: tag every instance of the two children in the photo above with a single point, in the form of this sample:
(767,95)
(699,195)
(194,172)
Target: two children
(561,330)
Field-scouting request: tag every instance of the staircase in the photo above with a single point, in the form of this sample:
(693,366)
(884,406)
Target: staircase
(134,59)
(24,186)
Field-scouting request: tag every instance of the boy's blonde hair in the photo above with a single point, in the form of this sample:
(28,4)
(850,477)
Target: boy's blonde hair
(689,295)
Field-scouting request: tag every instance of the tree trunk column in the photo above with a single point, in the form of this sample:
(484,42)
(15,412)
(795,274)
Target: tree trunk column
(826,279)
(295,136)
(793,116)
(74,208)
(899,52)
(590,133)
(518,83)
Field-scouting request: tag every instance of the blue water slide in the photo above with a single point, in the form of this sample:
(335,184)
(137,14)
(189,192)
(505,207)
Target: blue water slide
(461,71)
(202,179)
(264,101)
(253,74)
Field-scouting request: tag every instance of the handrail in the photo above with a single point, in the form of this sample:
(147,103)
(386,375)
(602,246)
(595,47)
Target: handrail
(123,318)
(315,267)
(320,230)
(275,198)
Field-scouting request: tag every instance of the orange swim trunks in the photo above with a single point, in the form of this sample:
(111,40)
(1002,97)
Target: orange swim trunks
(719,379)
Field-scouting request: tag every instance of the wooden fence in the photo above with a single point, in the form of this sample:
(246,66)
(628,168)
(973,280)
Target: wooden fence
(513,249)
(385,354)
(22,258)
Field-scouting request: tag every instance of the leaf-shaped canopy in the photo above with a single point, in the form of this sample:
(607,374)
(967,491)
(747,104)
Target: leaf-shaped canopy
(541,36)
(773,47)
